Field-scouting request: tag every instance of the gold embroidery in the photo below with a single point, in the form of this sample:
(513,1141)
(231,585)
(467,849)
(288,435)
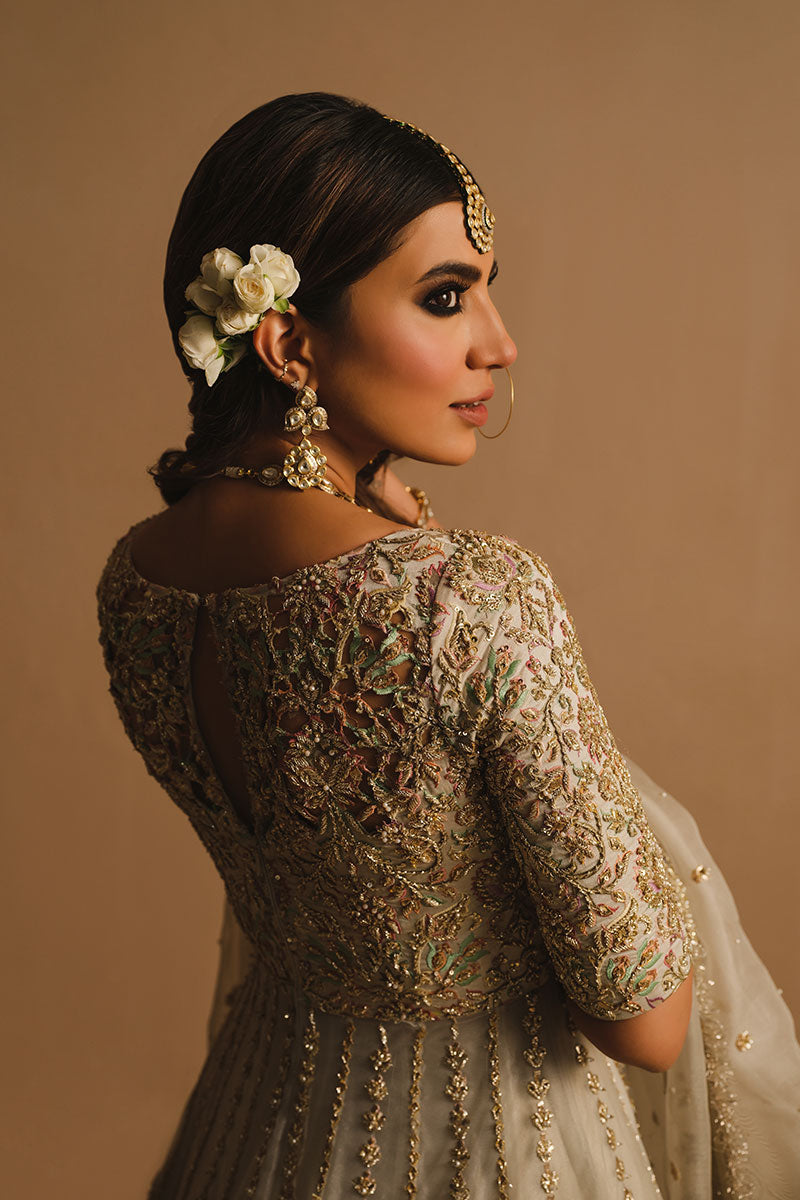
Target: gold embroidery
(211,1176)
(730,1157)
(392,671)
(272,1112)
(414,1111)
(370,1152)
(744,1041)
(336,1109)
(225,1056)
(456,1090)
(538,1087)
(383,698)
(700,874)
(604,1113)
(497,1109)
(305,1079)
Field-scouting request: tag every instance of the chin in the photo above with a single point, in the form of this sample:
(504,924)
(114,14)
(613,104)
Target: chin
(462,453)
(450,453)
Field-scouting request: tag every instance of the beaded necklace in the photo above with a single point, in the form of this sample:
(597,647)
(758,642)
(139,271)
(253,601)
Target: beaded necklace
(273,475)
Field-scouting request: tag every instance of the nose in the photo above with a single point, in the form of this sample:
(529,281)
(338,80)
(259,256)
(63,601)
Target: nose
(493,347)
(509,350)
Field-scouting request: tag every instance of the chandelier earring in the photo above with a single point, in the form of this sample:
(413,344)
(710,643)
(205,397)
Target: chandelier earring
(304,466)
(229,298)
(491,436)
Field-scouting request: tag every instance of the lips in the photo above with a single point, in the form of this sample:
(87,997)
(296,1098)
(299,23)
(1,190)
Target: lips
(487,395)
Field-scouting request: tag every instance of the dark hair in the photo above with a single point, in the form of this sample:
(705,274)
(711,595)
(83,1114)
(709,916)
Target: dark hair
(330,181)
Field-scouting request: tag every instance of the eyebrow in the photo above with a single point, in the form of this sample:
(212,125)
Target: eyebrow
(463,270)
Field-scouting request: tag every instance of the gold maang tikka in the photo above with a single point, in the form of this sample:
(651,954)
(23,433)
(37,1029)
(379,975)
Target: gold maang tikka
(478,217)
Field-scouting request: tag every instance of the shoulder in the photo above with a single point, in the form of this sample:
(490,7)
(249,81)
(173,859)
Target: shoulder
(491,572)
(113,568)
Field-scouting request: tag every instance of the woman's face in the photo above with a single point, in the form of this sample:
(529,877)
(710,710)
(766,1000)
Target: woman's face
(422,338)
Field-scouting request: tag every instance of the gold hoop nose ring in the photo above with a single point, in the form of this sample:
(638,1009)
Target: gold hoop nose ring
(491,436)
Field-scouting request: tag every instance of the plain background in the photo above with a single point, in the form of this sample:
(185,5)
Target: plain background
(641,160)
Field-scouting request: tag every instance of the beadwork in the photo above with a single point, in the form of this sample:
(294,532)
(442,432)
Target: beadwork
(479,219)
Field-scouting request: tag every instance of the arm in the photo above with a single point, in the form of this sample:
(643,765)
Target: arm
(612,913)
(652,1041)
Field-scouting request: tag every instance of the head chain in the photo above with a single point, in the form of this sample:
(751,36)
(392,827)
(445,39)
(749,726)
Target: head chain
(478,217)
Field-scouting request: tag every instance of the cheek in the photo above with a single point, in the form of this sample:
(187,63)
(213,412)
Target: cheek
(414,353)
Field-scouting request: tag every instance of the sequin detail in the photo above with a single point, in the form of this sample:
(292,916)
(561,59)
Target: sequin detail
(296,1134)
(604,1114)
(414,1112)
(336,1108)
(456,1090)
(538,1087)
(381,697)
(271,1114)
(730,1170)
(497,1109)
(373,1119)
(408,713)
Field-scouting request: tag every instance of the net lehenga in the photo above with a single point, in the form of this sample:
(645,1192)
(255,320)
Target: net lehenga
(444,840)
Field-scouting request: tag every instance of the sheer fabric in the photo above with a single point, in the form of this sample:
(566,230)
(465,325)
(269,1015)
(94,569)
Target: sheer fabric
(441,841)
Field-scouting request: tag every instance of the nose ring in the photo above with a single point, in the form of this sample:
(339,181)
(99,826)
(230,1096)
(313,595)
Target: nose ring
(491,436)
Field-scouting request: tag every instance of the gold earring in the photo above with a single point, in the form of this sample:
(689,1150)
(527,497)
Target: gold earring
(304,466)
(491,436)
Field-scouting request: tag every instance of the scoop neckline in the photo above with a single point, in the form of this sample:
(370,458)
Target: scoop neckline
(275,582)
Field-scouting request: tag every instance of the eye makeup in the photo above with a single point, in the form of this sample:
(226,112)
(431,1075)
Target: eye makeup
(461,276)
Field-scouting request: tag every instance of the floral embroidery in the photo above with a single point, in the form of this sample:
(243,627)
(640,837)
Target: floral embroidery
(439,811)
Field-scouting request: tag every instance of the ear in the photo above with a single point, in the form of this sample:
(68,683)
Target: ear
(284,337)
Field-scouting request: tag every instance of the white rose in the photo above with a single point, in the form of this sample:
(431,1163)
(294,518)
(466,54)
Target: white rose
(200,347)
(233,357)
(218,268)
(202,296)
(254,290)
(278,267)
(233,319)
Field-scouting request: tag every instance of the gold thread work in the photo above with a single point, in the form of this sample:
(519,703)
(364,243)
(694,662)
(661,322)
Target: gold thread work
(414,1112)
(336,1107)
(370,1153)
(730,1153)
(294,1138)
(539,1086)
(497,1110)
(271,1114)
(456,1090)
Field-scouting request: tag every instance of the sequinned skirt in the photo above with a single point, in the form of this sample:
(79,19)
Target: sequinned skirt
(296,1104)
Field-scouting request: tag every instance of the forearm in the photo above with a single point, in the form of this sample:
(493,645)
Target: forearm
(652,1041)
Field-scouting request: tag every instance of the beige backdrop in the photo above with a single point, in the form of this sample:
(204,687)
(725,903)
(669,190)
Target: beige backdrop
(641,160)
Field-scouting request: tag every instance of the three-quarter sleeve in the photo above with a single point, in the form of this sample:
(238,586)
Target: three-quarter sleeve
(508,670)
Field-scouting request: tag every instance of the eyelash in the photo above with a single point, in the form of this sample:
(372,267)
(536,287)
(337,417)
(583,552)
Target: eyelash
(437,309)
(453,286)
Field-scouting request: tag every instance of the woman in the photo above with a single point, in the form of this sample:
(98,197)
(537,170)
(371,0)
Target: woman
(462,912)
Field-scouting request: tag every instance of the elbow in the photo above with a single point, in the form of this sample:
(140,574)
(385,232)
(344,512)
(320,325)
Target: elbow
(652,1041)
(655,1057)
